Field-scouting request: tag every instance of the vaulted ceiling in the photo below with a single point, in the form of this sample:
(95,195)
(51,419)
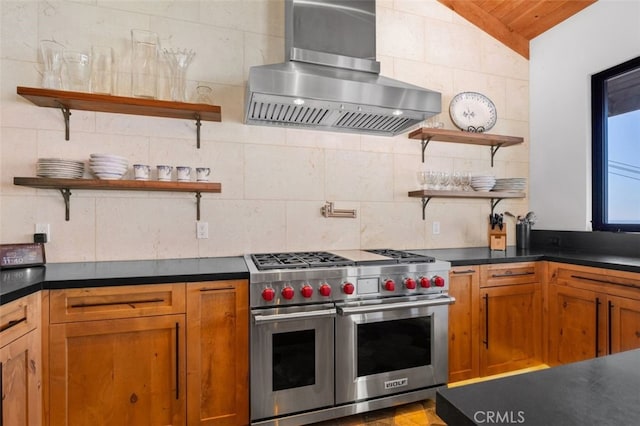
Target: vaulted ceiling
(516,22)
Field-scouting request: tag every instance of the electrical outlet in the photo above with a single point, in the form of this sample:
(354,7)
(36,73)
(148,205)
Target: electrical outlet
(44,228)
(202,230)
(435,228)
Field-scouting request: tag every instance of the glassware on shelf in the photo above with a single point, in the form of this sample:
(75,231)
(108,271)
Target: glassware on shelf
(423,178)
(203,95)
(102,69)
(179,61)
(52,59)
(78,71)
(444,181)
(456,181)
(144,63)
(466,181)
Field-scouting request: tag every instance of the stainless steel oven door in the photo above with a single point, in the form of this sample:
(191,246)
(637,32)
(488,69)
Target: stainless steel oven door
(291,359)
(391,346)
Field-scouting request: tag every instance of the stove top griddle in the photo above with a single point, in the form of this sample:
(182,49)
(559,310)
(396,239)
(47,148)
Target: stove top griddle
(403,256)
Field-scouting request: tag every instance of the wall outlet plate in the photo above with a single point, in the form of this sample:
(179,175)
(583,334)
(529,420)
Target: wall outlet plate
(202,230)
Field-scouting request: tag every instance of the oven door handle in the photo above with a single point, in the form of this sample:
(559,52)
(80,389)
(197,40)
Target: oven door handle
(378,307)
(264,319)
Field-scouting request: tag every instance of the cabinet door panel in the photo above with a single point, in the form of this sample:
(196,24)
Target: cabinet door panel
(218,351)
(625,324)
(21,385)
(118,372)
(572,325)
(463,324)
(511,328)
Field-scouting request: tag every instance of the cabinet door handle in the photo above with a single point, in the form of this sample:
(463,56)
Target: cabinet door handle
(130,303)
(12,324)
(609,316)
(597,324)
(512,274)
(486,321)
(216,289)
(578,277)
(466,271)
(177,361)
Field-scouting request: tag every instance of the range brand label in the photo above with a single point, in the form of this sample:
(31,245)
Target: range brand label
(398,383)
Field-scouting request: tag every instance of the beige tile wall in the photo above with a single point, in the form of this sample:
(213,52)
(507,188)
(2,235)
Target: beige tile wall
(274,180)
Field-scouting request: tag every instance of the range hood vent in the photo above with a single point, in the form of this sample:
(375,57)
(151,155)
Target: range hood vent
(331,79)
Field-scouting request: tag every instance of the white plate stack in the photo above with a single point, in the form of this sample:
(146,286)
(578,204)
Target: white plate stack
(510,185)
(59,168)
(482,183)
(108,166)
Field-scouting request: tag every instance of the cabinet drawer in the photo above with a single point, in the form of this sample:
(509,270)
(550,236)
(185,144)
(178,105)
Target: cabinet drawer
(625,284)
(19,317)
(509,274)
(95,303)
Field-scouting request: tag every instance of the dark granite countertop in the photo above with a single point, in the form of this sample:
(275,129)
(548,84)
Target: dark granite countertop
(15,283)
(601,391)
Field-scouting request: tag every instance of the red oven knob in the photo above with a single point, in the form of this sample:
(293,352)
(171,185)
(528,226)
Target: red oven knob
(306,291)
(288,293)
(325,290)
(410,283)
(438,281)
(389,285)
(348,288)
(268,294)
(425,282)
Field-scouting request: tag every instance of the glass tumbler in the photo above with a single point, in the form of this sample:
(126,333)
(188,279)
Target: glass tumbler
(144,63)
(52,64)
(78,70)
(204,95)
(102,69)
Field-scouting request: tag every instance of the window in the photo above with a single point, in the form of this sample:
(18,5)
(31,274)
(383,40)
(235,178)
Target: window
(615,122)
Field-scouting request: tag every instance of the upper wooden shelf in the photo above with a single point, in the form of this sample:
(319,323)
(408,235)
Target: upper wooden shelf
(119,104)
(66,185)
(495,142)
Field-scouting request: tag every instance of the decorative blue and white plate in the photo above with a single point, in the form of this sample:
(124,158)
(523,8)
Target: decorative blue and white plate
(472,112)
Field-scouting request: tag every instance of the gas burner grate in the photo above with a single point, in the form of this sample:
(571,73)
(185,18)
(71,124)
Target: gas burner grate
(403,256)
(297,260)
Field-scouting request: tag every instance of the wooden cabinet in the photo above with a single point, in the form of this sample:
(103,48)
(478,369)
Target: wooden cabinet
(218,353)
(592,312)
(20,362)
(464,285)
(510,317)
(118,356)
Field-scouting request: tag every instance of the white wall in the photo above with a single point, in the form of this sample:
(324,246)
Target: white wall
(274,180)
(561,64)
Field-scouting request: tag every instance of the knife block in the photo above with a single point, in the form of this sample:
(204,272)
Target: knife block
(498,238)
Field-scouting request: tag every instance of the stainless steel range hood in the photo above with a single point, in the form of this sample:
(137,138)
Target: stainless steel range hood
(330,80)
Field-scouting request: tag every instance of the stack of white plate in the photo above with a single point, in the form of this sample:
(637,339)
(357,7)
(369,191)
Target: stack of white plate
(482,183)
(108,166)
(510,185)
(59,168)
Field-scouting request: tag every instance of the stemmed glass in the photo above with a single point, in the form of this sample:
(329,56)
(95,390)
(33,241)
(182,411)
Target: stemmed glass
(456,179)
(422,178)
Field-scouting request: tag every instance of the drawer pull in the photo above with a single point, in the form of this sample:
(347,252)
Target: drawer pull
(216,289)
(12,324)
(130,303)
(466,271)
(578,277)
(512,274)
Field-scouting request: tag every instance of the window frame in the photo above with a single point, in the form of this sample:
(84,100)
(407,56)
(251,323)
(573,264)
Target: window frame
(599,149)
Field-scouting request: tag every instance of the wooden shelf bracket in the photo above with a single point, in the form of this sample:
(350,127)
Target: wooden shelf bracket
(424,144)
(494,203)
(425,201)
(494,149)
(198,197)
(198,124)
(66,194)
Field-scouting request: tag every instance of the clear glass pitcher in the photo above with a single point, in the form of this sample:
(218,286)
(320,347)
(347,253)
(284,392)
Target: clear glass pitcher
(144,63)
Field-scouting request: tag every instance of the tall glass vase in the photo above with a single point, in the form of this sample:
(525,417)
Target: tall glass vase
(179,61)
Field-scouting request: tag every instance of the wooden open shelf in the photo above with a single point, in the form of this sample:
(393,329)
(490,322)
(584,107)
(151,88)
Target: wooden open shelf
(427,194)
(495,142)
(67,101)
(66,185)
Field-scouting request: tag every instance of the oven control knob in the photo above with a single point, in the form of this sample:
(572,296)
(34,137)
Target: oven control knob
(389,285)
(438,281)
(268,294)
(410,283)
(325,290)
(348,288)
(288,293)
(425,282)
(306,291)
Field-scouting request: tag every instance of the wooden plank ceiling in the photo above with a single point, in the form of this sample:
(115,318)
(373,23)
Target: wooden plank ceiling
(515,22)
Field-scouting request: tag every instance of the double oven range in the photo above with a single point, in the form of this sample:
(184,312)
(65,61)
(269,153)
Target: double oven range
(342,332)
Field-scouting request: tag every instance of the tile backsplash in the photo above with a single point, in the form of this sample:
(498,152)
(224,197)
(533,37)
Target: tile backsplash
(274,180)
